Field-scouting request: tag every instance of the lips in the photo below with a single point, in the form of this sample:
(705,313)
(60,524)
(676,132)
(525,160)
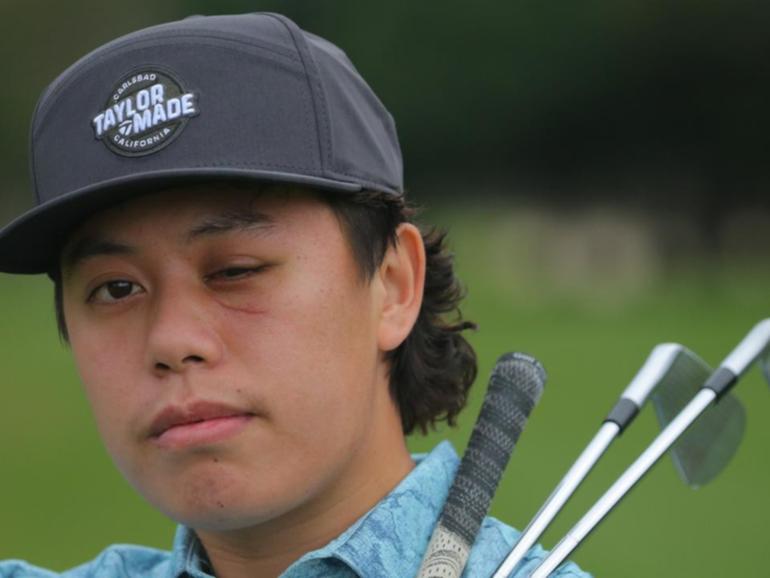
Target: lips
(199,422)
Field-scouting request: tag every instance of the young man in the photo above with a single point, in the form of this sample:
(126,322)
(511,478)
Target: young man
(256,320)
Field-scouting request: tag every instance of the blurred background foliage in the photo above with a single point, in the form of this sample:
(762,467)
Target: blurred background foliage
(602,168)
(659,104)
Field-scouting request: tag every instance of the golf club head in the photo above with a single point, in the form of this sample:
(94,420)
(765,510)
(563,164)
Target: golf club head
(755,346)
(708,445)
(765,363)
(662,365)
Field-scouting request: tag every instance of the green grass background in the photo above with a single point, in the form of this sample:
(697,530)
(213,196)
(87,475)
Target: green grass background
(62,501)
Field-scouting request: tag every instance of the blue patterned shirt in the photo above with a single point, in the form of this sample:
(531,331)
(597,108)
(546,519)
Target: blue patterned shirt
(387,542)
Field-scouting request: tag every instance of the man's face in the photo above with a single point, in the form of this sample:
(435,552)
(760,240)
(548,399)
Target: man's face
(229,348)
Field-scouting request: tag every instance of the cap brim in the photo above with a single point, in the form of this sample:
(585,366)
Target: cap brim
(31,243)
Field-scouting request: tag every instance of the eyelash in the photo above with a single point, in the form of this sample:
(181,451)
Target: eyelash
(243,272)
(222,274)
(92,297)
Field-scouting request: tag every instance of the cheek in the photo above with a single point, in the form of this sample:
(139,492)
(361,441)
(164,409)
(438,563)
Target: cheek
(315,311)
(315,348)
(332,333)
(108,367)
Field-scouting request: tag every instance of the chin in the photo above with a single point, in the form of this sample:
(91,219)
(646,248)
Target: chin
(218,520)
(224,517)
(216,502)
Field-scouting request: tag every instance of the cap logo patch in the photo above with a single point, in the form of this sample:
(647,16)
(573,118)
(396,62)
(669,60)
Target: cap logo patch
(144,113)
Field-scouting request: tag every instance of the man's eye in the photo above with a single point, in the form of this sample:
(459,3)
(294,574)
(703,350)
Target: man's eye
(231,273)
(113,291)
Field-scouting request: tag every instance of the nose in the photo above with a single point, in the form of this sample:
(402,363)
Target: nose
(181,333)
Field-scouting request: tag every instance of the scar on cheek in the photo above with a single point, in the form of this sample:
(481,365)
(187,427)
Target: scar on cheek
(247,308)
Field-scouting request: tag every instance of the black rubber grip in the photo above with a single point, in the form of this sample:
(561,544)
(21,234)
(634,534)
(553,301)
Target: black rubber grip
(721,381)
(623,413)
(514,388)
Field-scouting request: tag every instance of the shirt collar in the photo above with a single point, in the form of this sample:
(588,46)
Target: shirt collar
(389,540)
(187,557)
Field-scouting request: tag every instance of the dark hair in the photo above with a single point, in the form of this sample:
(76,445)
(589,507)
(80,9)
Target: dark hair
(433,369)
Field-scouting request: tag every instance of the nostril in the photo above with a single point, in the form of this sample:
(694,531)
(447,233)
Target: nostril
(165,367)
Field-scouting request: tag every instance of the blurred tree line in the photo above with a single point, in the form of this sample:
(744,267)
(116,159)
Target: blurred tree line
(660,105)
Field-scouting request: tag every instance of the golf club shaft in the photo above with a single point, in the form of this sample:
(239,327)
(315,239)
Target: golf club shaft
(559,497)
(622,485)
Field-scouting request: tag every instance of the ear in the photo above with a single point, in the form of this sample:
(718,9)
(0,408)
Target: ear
(402,276)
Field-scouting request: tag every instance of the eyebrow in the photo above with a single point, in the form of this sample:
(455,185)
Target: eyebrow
(211,225)
(89,247)
(228,222)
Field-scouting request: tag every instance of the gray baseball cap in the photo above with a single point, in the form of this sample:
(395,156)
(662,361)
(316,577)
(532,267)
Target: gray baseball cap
(248,96)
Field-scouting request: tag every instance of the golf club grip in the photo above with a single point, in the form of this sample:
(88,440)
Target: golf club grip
(514,388)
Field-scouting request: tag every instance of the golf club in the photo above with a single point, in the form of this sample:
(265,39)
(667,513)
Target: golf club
(709,444)
(668,365)
(750,349)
